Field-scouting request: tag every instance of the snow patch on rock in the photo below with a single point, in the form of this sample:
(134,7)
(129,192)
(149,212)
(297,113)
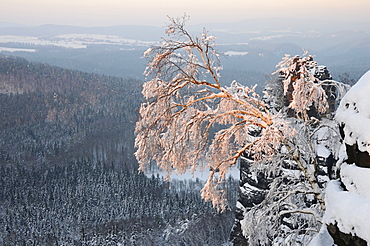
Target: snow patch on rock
(349,210)
(354,113)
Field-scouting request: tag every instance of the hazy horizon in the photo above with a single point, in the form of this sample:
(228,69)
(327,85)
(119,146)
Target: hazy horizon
(142,12)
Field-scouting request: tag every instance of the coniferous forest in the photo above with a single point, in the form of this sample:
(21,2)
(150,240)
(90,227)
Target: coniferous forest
(68,175)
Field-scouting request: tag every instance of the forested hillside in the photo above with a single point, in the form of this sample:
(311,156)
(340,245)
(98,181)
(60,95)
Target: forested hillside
(68,175)
(49,113)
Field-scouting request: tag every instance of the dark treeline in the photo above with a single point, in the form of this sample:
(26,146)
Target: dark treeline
(82,204)
(67,171)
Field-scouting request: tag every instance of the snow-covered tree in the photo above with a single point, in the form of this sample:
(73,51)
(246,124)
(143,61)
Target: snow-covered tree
(289,209)
(190,121)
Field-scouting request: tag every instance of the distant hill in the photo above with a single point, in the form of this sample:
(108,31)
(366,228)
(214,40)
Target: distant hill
(146,33)
(118,50)
(61,113)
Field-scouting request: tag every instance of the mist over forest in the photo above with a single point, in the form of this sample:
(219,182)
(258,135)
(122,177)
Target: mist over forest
(251,48)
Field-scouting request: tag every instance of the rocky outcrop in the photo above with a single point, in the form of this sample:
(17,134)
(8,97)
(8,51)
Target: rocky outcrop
(346,216)
(252,191)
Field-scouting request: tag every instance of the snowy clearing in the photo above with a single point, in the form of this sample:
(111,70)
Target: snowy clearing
(236,53)
(16,50)
(74,41)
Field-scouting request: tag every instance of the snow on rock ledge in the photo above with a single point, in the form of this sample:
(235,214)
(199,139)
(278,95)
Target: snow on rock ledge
(356,180)
(348,210)
(354,113)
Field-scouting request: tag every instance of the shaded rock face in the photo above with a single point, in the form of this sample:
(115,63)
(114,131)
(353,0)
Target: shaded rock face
(357,157)
(253,189)
(354,155)
(343,239)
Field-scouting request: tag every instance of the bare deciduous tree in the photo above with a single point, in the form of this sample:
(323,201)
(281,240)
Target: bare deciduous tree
(185,104)
(190,121)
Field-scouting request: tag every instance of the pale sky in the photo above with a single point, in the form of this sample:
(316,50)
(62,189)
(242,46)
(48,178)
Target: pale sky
(154,12)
